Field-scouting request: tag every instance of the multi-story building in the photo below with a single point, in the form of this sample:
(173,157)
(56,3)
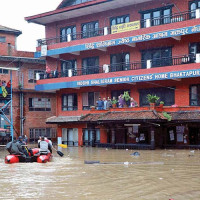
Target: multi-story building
(103,48)
(30,108)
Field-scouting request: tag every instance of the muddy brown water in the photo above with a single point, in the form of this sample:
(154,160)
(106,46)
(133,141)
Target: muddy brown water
(154,175)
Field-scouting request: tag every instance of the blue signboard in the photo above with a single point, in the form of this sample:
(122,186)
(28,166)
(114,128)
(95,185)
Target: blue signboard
(121,41)
(119,80)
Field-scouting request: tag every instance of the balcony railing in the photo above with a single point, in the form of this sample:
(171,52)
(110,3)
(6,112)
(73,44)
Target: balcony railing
(145,64)
(72,36)
(167,19)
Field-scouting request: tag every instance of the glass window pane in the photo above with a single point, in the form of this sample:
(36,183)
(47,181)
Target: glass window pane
(156,18)
(69,31)
(147,16)
(194,92)
(127,19)
(113,22)
(166,15)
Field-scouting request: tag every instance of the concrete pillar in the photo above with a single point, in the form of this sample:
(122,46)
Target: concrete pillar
(113,136)
(152,136)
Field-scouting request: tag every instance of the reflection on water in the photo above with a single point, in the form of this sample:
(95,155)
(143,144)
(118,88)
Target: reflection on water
(154,175)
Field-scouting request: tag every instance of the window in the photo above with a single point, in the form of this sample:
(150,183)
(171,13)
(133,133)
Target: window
(195,95)
(69,102)
(158,57)
(91,137)
(68,30)
(166,94)
(39,104)
(193,6)
(119,20)
(2,39)
(156,16)
(90,65)
(3,71)
(89,99)
(32,75)
(90,29)
(34,133)
(120,62)
(194,49)
(68,68)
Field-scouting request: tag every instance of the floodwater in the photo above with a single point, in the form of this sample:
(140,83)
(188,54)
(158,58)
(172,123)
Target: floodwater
(154,175)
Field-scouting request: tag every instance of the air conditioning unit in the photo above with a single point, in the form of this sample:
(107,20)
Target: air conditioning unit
(69,72)
(197,13)
(149,64)
(37,76)
(106,68)
(198,58)
(69,37)
(148,23)
(105,30)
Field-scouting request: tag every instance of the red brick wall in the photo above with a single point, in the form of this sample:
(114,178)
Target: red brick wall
(10,39)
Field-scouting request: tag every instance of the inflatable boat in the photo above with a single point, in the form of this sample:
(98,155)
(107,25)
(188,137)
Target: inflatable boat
(37,157)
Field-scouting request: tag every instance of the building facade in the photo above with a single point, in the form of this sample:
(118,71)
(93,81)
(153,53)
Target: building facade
(103,48)
(30,108)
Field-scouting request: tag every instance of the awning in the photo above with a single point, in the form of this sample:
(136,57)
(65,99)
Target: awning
(125,116)
(62,119)
(189,116)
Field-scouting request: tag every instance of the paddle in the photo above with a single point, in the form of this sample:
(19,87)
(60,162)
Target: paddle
(62,145)
(61,154)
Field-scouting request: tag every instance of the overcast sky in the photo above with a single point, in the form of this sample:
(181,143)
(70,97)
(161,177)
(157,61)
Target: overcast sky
(12,13)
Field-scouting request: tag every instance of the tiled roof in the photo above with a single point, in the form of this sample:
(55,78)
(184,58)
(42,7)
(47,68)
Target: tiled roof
(6,29)
(185,115)
(125,115)
(62,119)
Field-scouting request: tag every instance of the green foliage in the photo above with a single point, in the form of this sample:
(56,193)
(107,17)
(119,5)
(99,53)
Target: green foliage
(152,98)
(114,101)
(162,102)
(126,96)
(168,116)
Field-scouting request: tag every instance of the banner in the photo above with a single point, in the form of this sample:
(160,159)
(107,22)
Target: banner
(130,26)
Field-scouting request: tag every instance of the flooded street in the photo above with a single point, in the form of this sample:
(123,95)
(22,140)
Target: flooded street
(154,175)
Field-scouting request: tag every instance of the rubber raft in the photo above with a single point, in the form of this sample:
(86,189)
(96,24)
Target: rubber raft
(37,157)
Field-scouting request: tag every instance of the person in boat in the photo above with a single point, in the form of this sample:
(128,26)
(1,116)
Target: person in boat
(14,147)
(48,141)
(44,146)
(25,149)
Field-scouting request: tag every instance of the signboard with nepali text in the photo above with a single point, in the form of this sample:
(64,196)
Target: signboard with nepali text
(122,41)
(119,80)
(130,26)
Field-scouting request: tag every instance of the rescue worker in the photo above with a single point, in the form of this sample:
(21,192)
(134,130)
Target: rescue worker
(44,146)
(14,147)
(24,147)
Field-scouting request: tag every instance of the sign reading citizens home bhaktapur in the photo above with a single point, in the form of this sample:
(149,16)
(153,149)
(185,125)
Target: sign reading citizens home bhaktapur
(121,79)
(130,26)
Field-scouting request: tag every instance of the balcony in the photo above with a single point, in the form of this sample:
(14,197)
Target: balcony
(167,19)
(147,64)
